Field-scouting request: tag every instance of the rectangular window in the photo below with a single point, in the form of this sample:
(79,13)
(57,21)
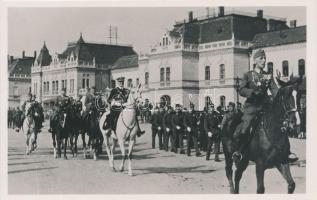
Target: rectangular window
(87,81)
(15,91)
(53,87)
(137,82)
(168,74)
(113,83)
(57,87)
(48,86)
(83,83)
(65,85)
(71,85)
(44,88)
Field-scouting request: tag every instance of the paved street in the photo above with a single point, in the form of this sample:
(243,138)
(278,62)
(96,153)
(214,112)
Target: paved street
(155,171)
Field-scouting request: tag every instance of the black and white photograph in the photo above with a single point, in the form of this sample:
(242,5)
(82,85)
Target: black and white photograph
(115,100)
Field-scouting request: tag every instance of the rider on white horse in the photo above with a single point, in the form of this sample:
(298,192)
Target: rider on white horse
(26,107)
(117,99)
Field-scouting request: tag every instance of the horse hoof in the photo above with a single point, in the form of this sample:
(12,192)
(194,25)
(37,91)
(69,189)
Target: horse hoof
(130,174)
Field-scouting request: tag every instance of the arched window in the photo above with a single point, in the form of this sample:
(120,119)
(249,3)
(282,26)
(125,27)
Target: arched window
(137,82)
(44,87)
(48,86)
(129,83)
(207,73)
(53,87)
(301,67)
(146,78)
(162,74)
(222,71)
(165,100)
(270,67)
(207,101)
(168,74)
(285,67)
(222,101)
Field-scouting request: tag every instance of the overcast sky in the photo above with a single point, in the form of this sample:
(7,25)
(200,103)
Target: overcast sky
(141,27)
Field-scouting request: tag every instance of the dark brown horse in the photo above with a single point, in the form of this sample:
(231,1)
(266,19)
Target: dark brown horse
(268,144)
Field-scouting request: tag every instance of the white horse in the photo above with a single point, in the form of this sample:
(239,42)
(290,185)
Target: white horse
(126,131)
(28,129)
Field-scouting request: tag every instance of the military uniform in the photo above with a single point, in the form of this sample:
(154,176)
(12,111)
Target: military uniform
(117,97)
(191,128)
(177,122)
(202,137)
(254,87)
(211,123)
(62,104)
(154,126)
(168,127)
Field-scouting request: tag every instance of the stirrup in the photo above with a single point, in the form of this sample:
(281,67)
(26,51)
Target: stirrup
(237,156)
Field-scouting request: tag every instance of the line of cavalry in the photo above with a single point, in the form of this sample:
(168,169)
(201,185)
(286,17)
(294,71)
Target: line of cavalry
(267,145)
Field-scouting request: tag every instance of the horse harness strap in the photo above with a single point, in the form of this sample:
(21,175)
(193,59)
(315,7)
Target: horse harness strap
(129,128)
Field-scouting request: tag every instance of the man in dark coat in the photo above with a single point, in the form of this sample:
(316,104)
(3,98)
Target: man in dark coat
(190,125)
(154,125)
(211,123)
(62,104)
(168,127)
(259,88)
(177,122)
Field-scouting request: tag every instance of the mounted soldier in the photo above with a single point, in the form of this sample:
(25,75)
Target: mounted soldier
(39,121)
(62,104)
(117,99)
(259,88)
(26,109)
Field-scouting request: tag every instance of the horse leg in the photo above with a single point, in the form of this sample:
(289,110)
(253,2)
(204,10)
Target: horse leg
(229,171)
(259,168)
(59,144)
(131,145)
(238,174)
(83,137)
(121,144)
(75,143)
(95,147)
(286,173)
(27,144)
(109,152)
(65,148)
(71,140)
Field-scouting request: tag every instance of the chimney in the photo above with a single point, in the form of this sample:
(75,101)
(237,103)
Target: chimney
(221,11)
(34,54)
(293,23)
(23,54)
(190,16)
(259,13)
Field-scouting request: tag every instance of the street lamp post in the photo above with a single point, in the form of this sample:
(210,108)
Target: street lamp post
(237,87)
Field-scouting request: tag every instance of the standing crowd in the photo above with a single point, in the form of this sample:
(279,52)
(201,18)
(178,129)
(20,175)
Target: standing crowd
(201,130)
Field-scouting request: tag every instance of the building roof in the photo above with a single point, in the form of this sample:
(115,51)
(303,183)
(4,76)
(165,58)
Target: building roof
(282,37)
(126,62)
(102,53)
(44,57)
(221,28)
(21,66)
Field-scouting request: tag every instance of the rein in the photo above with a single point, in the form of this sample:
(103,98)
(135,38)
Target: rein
(129,106)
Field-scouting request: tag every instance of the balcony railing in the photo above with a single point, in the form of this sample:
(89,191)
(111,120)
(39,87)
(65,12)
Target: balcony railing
(176,83)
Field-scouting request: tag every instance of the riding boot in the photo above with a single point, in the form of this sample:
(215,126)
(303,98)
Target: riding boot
(139,133)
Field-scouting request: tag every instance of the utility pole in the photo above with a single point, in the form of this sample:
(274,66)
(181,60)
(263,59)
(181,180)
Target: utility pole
(113,34)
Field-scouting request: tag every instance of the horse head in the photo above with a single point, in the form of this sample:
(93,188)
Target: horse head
(135,95)
(287,100)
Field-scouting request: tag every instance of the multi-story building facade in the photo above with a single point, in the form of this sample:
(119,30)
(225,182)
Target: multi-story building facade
(285,52)
(201,60)
(81,66)
(19,76)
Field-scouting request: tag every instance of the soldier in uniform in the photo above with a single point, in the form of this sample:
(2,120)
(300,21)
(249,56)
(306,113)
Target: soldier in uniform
(26,108)
(190,126)
(160,128)
(38,123)
(62,104)
(167,125)
(202,137)
(117,99)
(258,87)
(17,118)
(211,123)
(154,125)
(177,121)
